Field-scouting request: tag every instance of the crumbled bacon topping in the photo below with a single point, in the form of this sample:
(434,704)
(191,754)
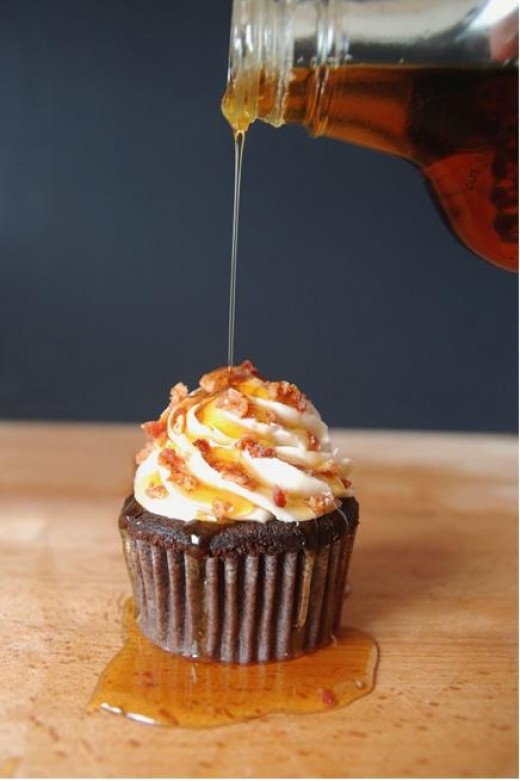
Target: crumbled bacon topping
(156,492)
(170,458)
(328,698)
(155,428)
(214,381)
(143,454)
(178,393)
(314,443)
(247,366)
(221,509)
(279,497)
(234,401)
(204,446)
(227,376)
(269,416)
(287,393)
(236,474)
(346,483)
(255,448)
(321,504)
(179,473)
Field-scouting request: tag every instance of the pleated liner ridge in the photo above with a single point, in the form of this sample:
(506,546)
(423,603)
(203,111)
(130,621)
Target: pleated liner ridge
(254,607)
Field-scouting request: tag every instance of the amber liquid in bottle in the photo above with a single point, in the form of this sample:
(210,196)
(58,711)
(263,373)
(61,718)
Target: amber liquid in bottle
(458,125)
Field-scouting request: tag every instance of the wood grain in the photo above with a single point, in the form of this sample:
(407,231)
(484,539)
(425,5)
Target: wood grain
(434,582)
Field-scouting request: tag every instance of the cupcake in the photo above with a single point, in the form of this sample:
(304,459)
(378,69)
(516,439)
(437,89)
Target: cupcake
(240,528)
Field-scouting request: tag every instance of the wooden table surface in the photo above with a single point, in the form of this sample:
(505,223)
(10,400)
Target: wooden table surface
(434,579)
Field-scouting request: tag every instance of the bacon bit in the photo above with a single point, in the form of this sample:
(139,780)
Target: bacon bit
(156,492)
(215,381)
(186,481)
(221,509)
(321,504)
(143,454)
(287,393)
(279,497)
(314,443)
(154,428)
(234,401)
(178,471)
(227,376)
(247,366)
(346,483)
(236,474)
(254,448)
(269,416)
(168,457)
(204,446)
(177,394)
(233,472)
(328,698)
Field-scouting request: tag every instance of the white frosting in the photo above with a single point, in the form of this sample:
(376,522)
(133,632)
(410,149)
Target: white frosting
(300,447)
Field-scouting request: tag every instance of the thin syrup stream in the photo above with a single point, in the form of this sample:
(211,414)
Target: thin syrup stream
(240,138)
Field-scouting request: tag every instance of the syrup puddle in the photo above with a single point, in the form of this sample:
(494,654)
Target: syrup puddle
(9,767)
(147,684)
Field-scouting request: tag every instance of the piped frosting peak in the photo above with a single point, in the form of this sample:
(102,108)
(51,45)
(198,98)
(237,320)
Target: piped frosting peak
(239,447)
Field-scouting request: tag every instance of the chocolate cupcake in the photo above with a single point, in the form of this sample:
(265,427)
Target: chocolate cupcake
(239,533)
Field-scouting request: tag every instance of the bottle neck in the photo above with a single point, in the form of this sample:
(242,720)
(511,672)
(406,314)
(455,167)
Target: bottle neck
(270,39)
(259,62)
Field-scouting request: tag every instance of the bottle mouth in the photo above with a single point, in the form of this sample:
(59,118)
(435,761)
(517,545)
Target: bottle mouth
(258,63)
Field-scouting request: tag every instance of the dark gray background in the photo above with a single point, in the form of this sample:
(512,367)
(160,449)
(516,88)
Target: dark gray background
(115,227)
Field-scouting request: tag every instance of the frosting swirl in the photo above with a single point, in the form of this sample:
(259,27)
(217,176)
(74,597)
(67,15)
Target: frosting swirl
(240,447)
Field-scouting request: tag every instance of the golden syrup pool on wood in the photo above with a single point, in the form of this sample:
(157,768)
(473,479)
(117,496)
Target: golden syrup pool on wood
(150,685)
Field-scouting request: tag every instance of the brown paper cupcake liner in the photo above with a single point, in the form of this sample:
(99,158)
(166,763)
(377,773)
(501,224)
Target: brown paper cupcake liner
(243,607)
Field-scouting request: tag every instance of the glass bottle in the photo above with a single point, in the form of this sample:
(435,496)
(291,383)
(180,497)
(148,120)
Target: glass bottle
(432,81)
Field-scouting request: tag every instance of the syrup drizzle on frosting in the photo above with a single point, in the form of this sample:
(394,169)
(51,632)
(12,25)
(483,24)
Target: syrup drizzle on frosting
(240,447)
